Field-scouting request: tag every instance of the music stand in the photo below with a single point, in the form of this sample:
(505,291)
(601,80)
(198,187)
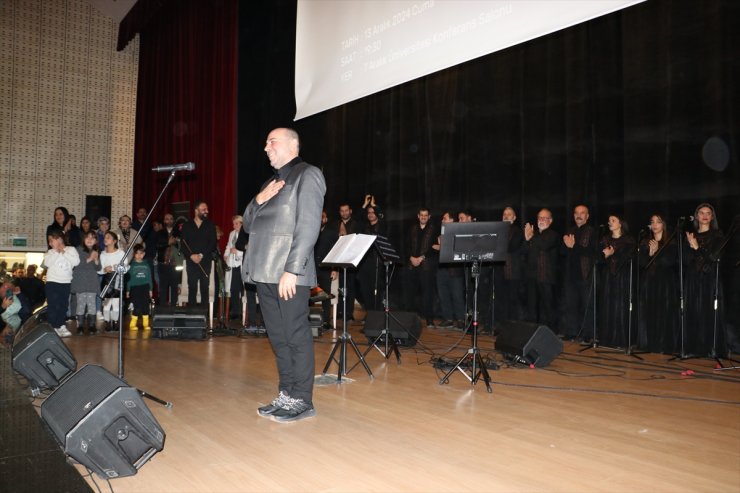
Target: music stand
(475,243)
(389,255)
(347,252)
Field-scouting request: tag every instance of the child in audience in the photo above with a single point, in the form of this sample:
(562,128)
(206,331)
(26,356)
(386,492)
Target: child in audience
(109,260)
(85,282)
(139,289)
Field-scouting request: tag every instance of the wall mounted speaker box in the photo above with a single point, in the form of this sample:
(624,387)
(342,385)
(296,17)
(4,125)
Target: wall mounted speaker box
(530,343)
(97,206)
(180,322)
(405,327)
(181,210)
(103,423)
(40,355)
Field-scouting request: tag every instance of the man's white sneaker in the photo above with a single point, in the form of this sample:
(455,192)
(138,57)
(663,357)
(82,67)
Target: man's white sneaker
(63,331)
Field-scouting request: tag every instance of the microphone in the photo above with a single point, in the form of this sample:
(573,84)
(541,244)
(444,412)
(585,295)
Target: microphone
(175,167)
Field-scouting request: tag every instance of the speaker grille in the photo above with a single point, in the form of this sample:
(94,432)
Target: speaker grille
(82,393)
(41,357)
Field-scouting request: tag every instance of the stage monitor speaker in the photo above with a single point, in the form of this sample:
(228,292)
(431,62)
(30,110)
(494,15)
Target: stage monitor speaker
(41,356)
(405,327)
(180,322)
(97,206)
(103,423)
(529,343)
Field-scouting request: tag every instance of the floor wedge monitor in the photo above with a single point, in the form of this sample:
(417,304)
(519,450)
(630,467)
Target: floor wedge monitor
(529,343)
(40,355)
(102,423)
(405,327)
(180,322)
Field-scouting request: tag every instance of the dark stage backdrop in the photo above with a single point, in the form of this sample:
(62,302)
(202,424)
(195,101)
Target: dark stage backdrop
(614,112)
(186,103)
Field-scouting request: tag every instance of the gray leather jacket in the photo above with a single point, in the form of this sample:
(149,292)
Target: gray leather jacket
(283,230)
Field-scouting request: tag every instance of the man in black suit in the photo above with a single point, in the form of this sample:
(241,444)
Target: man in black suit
(580,248)
(283,222)
(541,247)
(198,242)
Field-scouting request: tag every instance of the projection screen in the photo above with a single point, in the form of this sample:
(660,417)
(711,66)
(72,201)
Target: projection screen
(348,49)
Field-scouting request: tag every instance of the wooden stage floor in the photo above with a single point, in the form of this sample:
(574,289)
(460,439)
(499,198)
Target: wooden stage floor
(589,422)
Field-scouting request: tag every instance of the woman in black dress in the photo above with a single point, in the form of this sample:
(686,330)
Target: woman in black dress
(658,329)
(701,252)
(617,249)
(370,272)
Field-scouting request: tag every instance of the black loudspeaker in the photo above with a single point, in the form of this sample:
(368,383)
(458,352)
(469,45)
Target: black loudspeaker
(102,423)
(405,327)
(180,322)
(181,211)
(41,356)
(97,206)
(529,343)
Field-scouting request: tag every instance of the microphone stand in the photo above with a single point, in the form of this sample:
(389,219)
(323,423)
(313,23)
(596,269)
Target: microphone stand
(594,341)
(118,280)
(628,350)
(716,260)
(682,311)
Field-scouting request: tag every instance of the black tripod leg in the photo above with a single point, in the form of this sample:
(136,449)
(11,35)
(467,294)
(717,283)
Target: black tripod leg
(457,366)
(374,344)
(362,360)
(166,404)
(331,357)
(482,371)
(395,350)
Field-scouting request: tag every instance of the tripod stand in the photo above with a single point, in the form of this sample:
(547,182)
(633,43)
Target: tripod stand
(342,341)
(389,341)
(348,251)
(476,243)
(389,255)
(117,280)
(472,359)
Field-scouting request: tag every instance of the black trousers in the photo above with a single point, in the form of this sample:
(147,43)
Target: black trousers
(541,303)
(235,291)
(290,334)
(250,291)
(195,277)
(421,291)
(578,317)
(140,298)
(169,279)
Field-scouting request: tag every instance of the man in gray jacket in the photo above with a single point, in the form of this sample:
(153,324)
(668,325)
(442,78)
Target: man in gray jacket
(283,222)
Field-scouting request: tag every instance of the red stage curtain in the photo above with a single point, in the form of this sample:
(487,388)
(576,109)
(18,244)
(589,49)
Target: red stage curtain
(186,107)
